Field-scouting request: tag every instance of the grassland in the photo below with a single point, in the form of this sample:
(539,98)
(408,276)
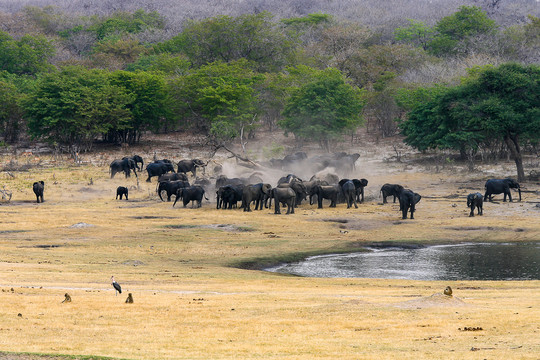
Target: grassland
(193,300)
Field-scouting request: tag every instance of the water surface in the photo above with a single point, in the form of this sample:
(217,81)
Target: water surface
(470,261)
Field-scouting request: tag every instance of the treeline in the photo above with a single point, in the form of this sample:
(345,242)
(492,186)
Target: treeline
(75,79)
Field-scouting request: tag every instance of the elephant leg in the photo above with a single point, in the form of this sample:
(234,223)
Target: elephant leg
(472,211)
(480,210)
(404,210)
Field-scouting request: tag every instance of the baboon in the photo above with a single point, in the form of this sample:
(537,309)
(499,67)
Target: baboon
(448,291)
(129,299)
(67,298)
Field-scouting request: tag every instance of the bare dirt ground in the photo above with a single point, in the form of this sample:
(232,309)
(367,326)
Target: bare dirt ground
(192,301)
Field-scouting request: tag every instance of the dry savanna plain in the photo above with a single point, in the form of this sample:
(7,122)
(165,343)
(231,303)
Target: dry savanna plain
(196,279)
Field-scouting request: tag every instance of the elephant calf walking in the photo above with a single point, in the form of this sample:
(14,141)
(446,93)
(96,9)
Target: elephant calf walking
(475,200)
(122,191)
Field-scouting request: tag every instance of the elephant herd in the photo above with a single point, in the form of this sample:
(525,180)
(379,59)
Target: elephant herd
(290,190)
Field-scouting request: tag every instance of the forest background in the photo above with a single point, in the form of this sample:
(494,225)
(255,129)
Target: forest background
(74,73)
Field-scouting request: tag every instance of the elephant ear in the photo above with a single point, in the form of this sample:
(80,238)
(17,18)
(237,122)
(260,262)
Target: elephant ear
(364,182)
(342,181)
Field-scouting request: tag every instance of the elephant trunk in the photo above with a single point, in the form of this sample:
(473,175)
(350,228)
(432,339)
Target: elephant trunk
(519,191)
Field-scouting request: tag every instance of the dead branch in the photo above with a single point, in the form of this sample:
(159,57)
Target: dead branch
(6,194)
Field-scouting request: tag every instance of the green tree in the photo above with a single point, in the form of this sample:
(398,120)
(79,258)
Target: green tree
(166,63)
(10,111)
(74,106)
(453,31)
(219,98)
(254,37)
(500,103)
(27,56)
(148,110)
(323,109)
(417,33)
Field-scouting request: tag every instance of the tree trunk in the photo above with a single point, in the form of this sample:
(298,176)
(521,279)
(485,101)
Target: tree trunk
(513,145)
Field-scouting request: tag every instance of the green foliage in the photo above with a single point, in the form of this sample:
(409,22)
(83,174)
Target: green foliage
(116,53)
(497,103)
(126,23)
(323,109)
(219,98)
(10,110)
(165,63)
(27,56)
(224,38)
(417,33)
(74,106)
(308,20)
(454,30)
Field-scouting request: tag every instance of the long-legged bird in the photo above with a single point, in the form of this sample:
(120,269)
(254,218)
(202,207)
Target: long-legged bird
(116,286)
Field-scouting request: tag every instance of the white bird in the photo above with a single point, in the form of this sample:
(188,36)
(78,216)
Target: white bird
(116,286)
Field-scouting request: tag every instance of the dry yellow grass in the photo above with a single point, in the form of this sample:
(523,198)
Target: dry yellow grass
(191,303)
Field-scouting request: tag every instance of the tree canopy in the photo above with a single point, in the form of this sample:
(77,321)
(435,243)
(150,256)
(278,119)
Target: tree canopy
(500,103)
(323,109)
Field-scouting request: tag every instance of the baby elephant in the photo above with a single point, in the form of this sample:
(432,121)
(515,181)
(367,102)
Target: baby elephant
(38,188)
(120,191)
(475,200)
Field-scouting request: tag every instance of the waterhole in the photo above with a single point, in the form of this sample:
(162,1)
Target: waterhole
(469,261)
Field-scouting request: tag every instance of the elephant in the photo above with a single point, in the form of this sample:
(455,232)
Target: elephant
(498,186)
(291,161)
(407,201)
(285,195)
(359,186)
(309,188)
(258,193)
(136,159)
(330,178)
(158,169)
(185,166)
(299,189)
(391,190)
(172,177)
(223,180)
(349,191)
(475,200)
(125,165)
(202,182)
(122,191)
(230,195)
(38,188)
(329,192)
(192,193)
(288,179)
(171,187)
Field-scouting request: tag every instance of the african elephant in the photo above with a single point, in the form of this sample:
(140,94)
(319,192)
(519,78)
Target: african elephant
(407,201)
(136,159)
(125,165)
(172,177)
(475,200)
(192,193)
(158,169)
(38,188)
(309,188)
(185,166)
(230,195)
(359,186)
(223,180)
(288,179)
(284,195)
(498,186)
(171,187)
(299,189)
(257,193)
(329,192)
(391,190)
(349,191)
(122,191)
